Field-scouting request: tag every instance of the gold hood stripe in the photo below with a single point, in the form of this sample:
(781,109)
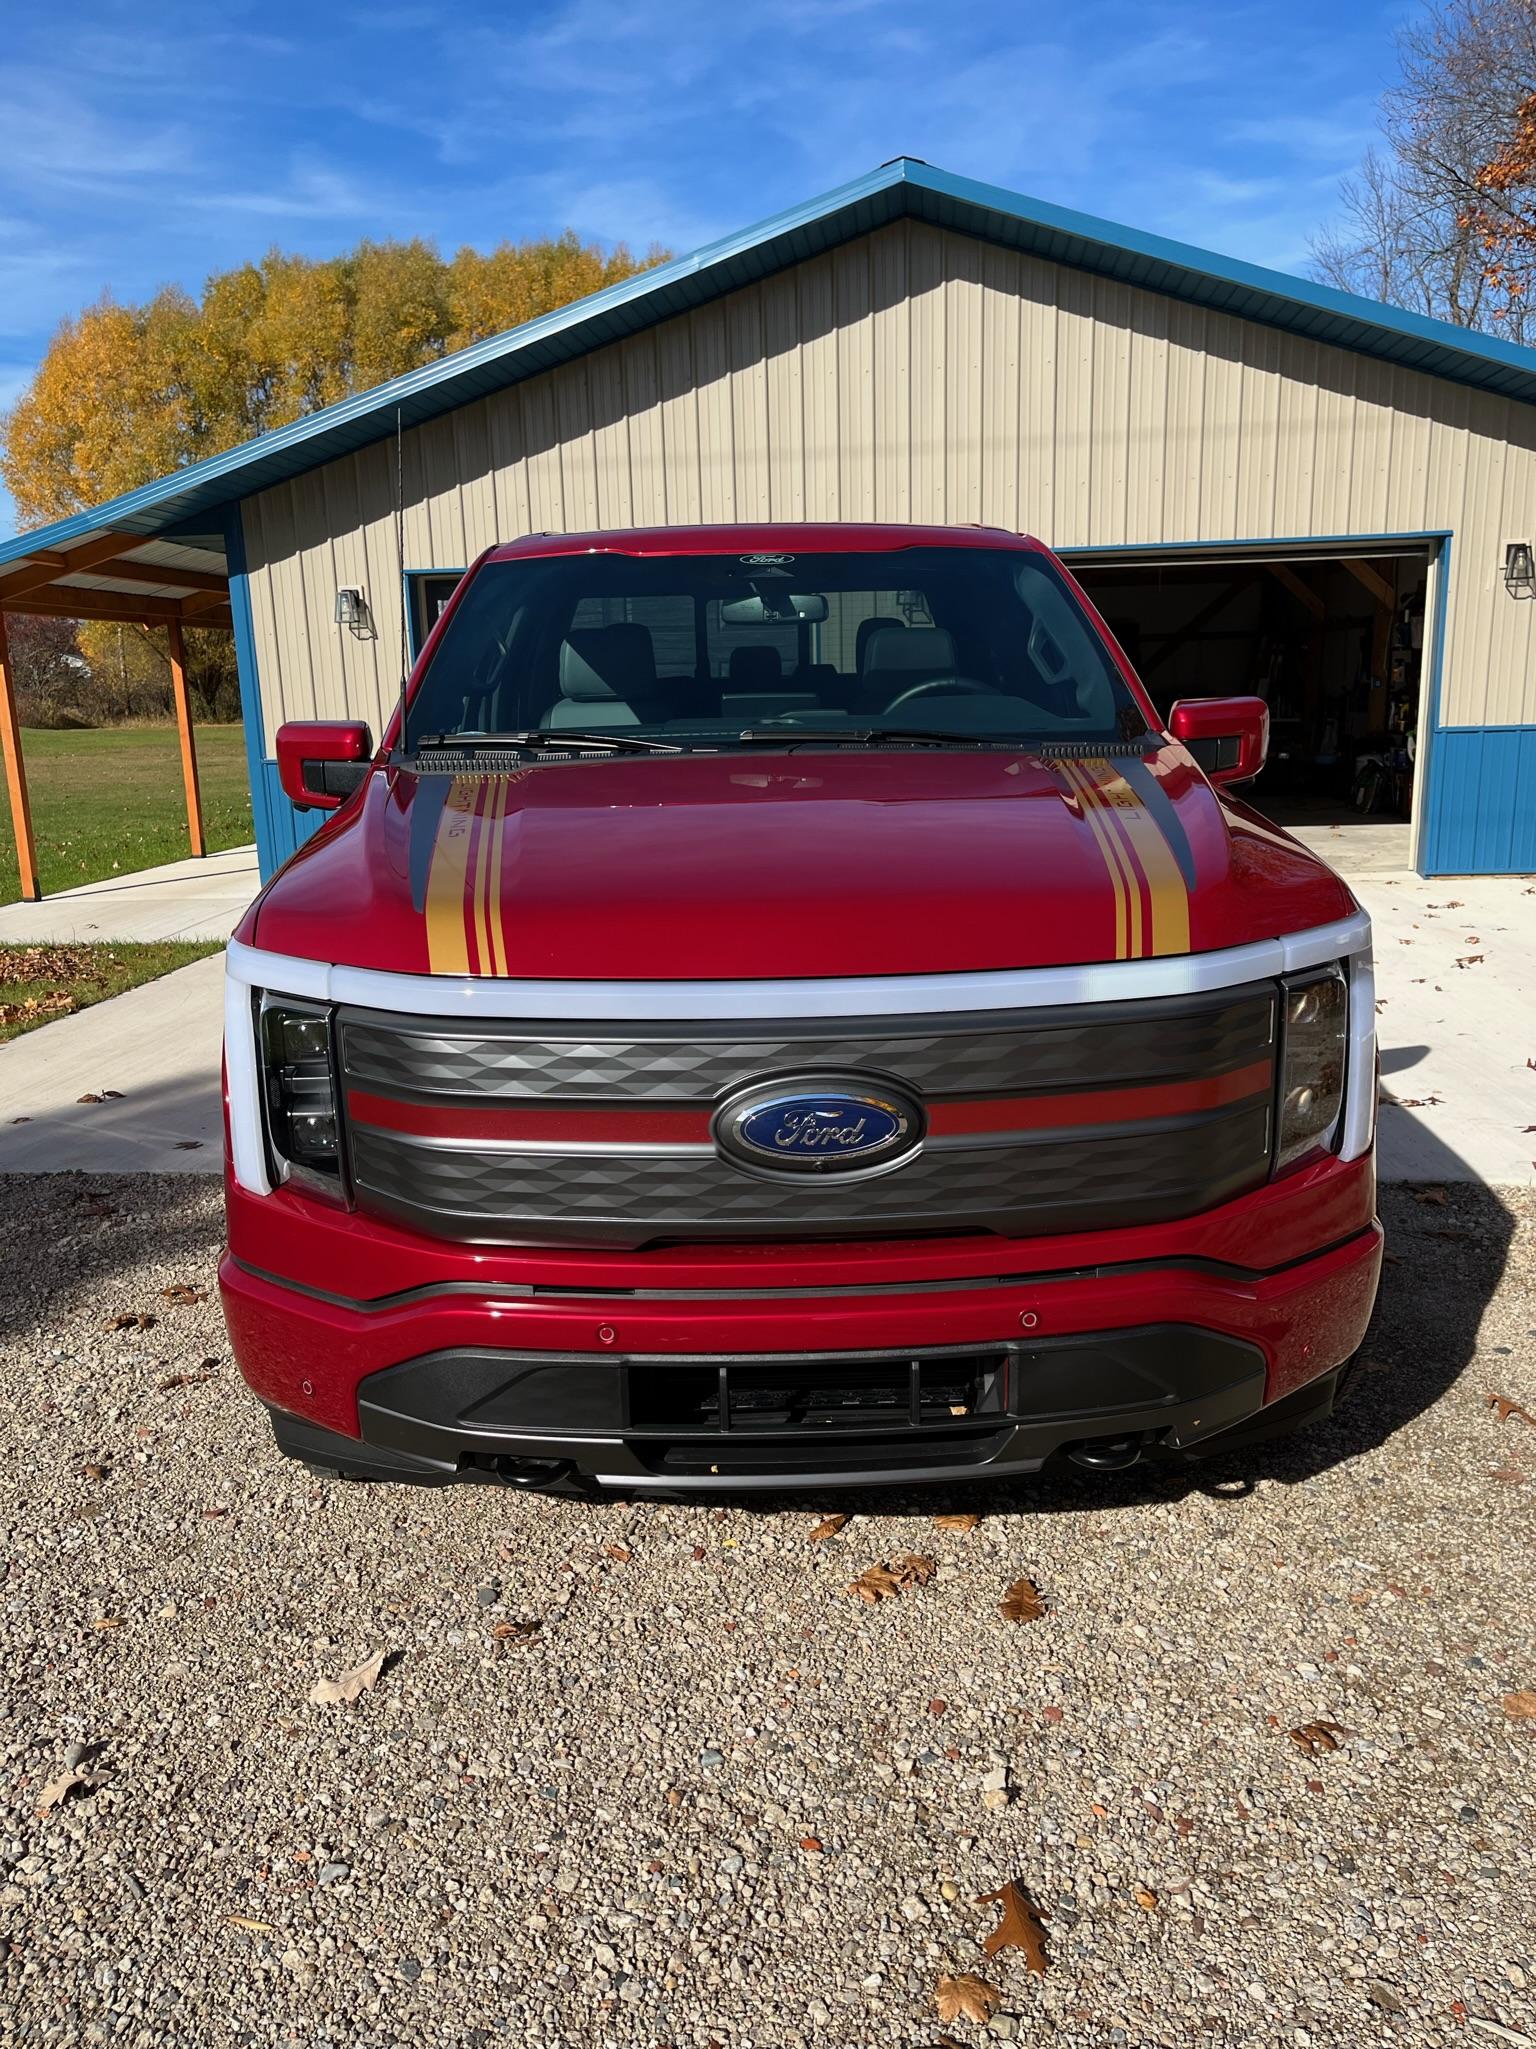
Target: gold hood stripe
(447,880)
(1086,792)
(1167,891)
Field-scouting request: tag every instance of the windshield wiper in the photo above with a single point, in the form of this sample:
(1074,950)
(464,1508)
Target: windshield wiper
(553,739)
(869,736)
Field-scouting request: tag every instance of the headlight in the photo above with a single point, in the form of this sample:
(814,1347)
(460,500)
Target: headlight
(1314,1037)
(299,1092)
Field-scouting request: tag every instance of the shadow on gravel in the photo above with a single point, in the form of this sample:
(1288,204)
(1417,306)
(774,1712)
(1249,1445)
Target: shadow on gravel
(65,1234)
(1447,1248)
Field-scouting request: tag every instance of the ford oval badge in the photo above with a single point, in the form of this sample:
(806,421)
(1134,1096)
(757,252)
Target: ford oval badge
(819,1125)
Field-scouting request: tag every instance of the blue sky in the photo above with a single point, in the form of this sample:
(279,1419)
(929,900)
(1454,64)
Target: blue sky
(145,145)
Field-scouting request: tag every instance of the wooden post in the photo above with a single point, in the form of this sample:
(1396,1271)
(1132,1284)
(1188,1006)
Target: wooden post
(188,747)
(16,774)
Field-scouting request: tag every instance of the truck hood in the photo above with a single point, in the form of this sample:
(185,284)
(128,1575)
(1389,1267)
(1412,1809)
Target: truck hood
(751,865)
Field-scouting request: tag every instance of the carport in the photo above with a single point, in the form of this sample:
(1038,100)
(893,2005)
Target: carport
(118,576)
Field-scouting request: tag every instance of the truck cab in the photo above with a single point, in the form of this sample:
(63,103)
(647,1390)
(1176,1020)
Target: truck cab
(780,1007)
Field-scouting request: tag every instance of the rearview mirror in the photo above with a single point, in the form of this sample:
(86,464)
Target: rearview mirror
(1228,736)
(320,762)
(776,609)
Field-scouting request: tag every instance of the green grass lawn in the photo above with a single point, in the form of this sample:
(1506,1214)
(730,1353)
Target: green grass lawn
(109,801)
(40,983)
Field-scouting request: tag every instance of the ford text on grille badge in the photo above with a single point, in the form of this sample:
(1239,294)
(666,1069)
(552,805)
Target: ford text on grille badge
(819,1125)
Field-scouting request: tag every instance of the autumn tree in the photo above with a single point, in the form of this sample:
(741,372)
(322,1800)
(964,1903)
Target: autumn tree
(127,393)
(1442,218)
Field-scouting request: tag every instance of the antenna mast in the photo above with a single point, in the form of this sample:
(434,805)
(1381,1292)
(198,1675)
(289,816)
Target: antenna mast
(405,642)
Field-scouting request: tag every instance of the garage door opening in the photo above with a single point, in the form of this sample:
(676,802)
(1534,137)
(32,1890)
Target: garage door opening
(1332,639)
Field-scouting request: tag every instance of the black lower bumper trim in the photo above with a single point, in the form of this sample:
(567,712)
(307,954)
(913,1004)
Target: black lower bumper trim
(710,1423)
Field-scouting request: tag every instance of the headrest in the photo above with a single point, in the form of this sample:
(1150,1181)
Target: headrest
(598,663)
(910,651)
(861,639)
(757,666)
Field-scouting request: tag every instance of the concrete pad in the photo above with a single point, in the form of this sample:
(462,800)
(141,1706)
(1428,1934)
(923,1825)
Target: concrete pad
(158,1045)
(1454,1043)
(201,899)
(1363,847)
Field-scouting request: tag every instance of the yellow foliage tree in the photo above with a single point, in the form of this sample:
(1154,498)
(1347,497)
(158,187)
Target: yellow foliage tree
(128,393)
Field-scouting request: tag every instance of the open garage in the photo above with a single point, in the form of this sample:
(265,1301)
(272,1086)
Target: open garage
(1267,485)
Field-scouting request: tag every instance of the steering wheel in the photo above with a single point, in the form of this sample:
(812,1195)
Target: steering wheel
(944,686)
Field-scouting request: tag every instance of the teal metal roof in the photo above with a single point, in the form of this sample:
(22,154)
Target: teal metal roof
(190,501)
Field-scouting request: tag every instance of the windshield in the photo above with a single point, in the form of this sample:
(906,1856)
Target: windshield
(956,644)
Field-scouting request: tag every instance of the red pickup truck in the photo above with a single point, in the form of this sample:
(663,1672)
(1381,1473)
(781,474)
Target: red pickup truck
(785,1008)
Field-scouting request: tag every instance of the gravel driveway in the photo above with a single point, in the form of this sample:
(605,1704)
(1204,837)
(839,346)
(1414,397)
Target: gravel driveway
(647,1775)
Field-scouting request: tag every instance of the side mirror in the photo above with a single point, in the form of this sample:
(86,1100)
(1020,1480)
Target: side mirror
(320,762)
(1228,736)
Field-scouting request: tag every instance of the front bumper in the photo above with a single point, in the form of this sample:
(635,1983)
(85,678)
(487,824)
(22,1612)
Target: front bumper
(1154,1337)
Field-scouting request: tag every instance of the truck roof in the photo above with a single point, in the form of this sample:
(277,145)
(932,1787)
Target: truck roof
(782,537)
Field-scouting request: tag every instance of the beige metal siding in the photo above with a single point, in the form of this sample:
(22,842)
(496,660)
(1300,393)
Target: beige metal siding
(920,375)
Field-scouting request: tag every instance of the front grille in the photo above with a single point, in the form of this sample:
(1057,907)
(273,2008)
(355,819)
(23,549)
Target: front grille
(1025,1133)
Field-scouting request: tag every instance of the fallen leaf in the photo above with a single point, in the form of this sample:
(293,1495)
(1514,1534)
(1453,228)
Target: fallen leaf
(1521,1707)
(76,1780)
(1316,1737)
(87,1099)
(516,1632)
(252,1927)
(350,1684)
(188,1145)
(1471,961)
(175,1380)
(1146,1898)
(1019,1926)
(619,1553)
(966,1998)
(1022,1602)
(962,1520)
(827,1527)
(811,1845)
(106,1622)
(184,1295)
(1434,1195)
(885,1582)
(1504,1409)
(93,1471)
(135,1322)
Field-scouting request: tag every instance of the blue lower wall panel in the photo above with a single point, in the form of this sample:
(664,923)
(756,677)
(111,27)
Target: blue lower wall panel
(1481,801)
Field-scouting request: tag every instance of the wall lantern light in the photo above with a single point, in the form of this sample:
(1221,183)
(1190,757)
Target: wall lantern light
(352,611)
(1519,570)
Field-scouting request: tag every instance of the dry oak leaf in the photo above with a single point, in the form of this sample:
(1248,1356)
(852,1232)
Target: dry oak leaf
(1019,1927)
(1316,1737)
(885,1582)
(1434,1195)
(619,1553)
(1022,1602)
(350,1684)
(134,1322)
(1145,1898)
(76,1780)
(175,1380)
(966,1998)
(1521,1707)
(1504,1408)
(183,1294)
(827,1527)
(516,1632)
(962,1520)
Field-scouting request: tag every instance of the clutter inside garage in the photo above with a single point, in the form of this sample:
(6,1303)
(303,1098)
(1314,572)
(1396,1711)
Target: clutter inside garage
(1335,645)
